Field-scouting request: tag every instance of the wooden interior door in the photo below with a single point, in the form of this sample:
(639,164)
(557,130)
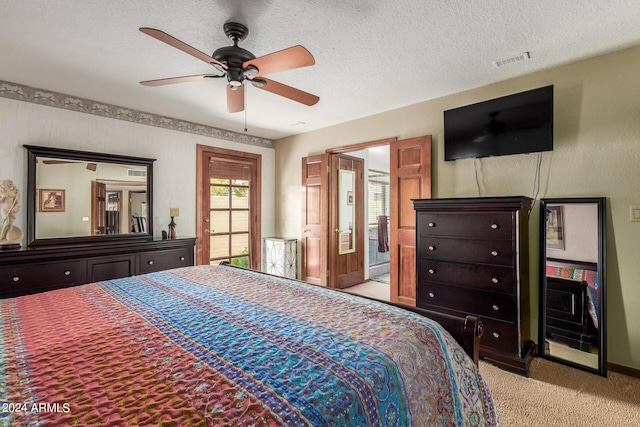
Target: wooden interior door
(315,214)
(346,250)
(98,208)
(410,178)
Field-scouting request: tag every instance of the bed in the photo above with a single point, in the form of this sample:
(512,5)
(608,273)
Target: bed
(218,345)
(572,303)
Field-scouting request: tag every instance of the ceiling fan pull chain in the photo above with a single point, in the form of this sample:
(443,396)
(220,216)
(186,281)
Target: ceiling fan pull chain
(245,107)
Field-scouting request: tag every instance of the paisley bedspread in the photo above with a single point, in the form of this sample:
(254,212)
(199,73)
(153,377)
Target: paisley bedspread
(215,345)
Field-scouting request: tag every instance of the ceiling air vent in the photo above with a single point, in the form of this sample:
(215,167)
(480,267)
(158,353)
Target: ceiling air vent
(522,57)
(136,172)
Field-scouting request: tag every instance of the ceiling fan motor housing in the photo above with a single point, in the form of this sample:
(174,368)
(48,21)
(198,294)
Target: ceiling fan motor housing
(234,56)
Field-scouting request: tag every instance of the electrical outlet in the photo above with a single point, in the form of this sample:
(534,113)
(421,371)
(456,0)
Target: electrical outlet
(635,213)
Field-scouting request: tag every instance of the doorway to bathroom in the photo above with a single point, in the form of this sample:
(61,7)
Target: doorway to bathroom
(376,208)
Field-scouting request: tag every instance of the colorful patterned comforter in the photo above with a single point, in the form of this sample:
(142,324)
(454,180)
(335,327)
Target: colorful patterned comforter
(214,345)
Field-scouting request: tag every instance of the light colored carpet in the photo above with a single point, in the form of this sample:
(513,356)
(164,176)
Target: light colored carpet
(557,395)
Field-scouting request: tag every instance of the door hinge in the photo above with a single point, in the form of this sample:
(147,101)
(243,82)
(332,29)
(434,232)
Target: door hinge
(328,273)
(328,169)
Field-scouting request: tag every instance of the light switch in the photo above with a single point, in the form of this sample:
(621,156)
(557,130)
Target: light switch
(85,219)
(635,213)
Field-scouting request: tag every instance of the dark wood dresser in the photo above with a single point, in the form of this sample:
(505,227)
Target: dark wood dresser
(32,270)
(473,258)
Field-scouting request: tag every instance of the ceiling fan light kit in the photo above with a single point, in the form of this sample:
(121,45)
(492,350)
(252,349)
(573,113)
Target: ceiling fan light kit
(239,65)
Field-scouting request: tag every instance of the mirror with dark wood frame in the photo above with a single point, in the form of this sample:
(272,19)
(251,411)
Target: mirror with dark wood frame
(572,302)
(84,197)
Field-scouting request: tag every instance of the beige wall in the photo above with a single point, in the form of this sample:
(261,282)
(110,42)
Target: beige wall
(596,153)
(174,170)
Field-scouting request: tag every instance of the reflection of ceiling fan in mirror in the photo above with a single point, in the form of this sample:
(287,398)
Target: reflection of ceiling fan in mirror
(90,166)
(239,65)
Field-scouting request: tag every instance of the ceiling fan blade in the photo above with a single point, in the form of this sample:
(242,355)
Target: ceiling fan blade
(172,80)
(172,41)
(282,60)
(287,91)
(235,99)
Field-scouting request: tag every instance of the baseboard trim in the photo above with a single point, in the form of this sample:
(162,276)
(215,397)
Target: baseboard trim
(621,369)
(611,367)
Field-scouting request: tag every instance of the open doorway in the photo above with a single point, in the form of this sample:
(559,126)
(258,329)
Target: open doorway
(376,210)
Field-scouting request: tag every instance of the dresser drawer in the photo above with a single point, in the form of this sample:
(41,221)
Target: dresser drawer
(472,225)
(41,275)
(496,252)
(480,303)
(165,260)
(501,336)
(484,277)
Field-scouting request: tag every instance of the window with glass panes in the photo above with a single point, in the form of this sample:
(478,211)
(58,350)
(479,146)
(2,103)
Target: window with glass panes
(378,196)
(229,219)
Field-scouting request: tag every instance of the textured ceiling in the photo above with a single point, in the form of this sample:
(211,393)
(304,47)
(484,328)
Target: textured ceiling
(371,55)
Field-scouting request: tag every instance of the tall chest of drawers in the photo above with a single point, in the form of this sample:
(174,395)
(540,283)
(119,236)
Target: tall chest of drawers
(473,258)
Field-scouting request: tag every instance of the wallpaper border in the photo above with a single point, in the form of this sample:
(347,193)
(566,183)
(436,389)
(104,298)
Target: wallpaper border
(68,102)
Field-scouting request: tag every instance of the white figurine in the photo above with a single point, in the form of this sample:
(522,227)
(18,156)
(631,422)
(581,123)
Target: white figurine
(10,235)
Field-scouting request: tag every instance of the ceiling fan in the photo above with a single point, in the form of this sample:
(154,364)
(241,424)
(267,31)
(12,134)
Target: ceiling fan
(239,65)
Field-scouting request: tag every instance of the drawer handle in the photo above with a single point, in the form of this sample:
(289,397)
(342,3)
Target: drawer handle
(432,248)
(495,307)
(67,273)
(495,279)
(432,224)
(432,271)
(494,253)
(432,295)
(496,334)
(494,226)
(181,258)
(16,278)
(150,262)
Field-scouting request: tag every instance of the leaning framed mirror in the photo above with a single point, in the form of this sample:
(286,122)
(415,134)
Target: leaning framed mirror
(84,197)
(572,327)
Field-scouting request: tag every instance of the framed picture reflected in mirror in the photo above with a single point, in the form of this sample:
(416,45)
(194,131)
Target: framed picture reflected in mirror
(555,228)
(51,200)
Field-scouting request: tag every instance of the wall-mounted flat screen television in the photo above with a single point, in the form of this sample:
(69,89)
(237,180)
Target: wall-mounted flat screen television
(514,124)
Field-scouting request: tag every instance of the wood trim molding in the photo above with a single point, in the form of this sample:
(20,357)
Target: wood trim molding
(361,146)
(82,105)
(625,370)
